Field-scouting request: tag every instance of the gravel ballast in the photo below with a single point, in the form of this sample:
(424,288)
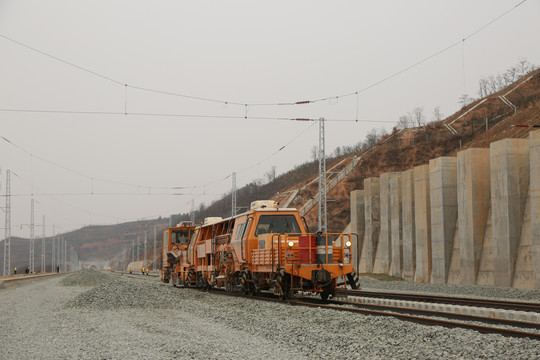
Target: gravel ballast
(483,291)
(126,317)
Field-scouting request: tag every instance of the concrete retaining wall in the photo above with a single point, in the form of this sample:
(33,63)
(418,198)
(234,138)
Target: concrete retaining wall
(474,219)
(534,193)
(422,214)
(372,224)
(408,224)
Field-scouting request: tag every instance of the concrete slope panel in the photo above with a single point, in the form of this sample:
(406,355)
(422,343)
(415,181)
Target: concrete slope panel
(384,250)
(396,225)
(443,198)
(372,222)
(473,192)
(534,142)
(357,225)
(422,212)
(408,220)
(509,163)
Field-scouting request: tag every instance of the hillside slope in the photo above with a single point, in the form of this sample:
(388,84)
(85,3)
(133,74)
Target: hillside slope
(477,125)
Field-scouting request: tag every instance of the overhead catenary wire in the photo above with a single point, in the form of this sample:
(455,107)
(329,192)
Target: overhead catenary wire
(246,104)
(41,192)
(149,188)
(199,116)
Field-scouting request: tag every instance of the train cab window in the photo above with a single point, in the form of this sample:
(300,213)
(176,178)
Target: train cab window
(240,231)
(247,228)
(180,237)
(278,224)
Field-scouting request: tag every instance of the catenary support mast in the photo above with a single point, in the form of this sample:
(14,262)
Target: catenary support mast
(322,178)
(7,241)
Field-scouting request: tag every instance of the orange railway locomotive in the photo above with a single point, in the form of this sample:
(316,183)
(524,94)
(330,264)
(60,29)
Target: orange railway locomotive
(265,248)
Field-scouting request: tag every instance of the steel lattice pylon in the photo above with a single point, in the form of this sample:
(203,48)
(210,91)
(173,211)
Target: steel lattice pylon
(233,195)
(43,246)
(322,178)
(7,240)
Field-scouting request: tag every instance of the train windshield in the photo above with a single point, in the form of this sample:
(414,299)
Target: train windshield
(180,237)
(279,224)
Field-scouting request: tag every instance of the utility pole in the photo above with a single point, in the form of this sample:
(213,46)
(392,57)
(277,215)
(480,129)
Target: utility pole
(31,259)
(65,256)
(138,252)
(132,251)
(53,254)
(43,247)
(7,241)
(192,217)
(322,178)
(233,195)
(145,241)
(154,259)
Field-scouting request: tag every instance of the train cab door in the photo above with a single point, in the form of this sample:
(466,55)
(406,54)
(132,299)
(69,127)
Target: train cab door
(245,243)
(242,225)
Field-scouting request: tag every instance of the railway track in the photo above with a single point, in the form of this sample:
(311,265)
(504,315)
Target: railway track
(485,303)
(483,325)
(135,273)
(25,279)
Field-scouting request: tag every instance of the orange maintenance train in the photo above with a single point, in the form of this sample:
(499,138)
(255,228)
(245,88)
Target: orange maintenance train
(265,248)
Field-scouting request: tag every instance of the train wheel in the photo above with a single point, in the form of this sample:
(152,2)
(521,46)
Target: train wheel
(228,286)
(281,291)
(256,288)
(325,295)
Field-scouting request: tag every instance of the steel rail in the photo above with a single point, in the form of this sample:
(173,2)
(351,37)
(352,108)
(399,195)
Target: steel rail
(311,302)
(429,321)
(490,303)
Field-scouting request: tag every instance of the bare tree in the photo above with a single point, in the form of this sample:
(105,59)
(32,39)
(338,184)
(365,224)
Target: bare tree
(418,116)
(524,67)
(314,153)
(271,174)
(483,87)
(465,100)
(494,83)
(371,138)
(404,122)
(337,151)
(437,115)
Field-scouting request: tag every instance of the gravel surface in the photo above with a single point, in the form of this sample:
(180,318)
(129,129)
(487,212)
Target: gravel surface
(457,290)
(132,317)
(87,278)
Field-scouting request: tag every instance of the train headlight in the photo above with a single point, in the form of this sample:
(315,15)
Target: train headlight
(348,244)
(290,243)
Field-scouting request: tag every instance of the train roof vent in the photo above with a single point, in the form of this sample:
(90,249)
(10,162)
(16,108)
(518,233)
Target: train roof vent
(212,220)
(261,204)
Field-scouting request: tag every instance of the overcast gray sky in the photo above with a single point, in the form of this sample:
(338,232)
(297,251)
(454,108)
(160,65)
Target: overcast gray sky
(246,52)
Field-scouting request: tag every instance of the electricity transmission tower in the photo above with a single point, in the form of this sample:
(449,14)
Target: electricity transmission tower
(233,195)
(322,178)
(154,259)
(31,259)
(7,240)
(192,216)
(145,241)
(43,246)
